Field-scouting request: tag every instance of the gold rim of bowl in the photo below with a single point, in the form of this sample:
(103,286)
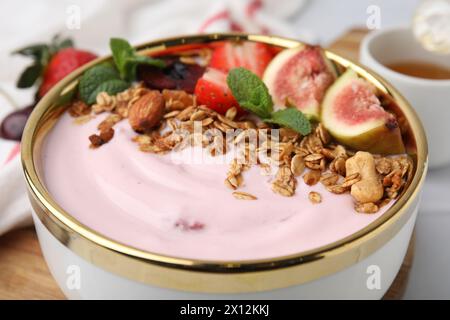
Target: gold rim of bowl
(214,276)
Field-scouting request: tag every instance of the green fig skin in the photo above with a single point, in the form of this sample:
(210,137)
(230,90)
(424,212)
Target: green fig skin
(381,140)
(384,138)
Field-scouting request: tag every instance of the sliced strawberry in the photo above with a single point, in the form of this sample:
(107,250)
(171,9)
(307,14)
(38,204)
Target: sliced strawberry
(61,64)
(179,49)
(212,90)
(250,55)
(221,58)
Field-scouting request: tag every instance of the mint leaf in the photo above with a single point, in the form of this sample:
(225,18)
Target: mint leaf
(111,87)
(114,79)
(93,78)
(121,51)
(126,59)
(137,59)
(291,118)
(250,92)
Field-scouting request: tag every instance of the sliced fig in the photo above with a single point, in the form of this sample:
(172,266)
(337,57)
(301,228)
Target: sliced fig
(176,75)
(354,116)
(299,77)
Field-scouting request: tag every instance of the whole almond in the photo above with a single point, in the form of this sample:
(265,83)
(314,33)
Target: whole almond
(146,112)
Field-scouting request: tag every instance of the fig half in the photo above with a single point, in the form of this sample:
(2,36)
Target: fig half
(352,113)
(298,77)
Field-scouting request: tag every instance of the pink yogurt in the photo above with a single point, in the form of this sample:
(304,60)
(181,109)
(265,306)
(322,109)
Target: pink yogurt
(149,202)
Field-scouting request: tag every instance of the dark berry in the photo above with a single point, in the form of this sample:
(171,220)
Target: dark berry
(12,125)
(175,76)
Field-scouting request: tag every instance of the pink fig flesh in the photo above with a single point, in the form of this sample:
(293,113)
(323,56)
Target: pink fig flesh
(354,116)
(299,77)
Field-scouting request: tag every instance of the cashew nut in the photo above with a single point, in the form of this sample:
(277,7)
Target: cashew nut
(369,188)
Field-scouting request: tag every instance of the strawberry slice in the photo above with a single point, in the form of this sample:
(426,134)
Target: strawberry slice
(250,55)
(212,90)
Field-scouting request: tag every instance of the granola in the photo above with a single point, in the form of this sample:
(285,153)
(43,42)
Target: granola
(315,197)
(243,195)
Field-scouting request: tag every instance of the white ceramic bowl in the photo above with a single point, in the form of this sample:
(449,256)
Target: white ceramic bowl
(89,265)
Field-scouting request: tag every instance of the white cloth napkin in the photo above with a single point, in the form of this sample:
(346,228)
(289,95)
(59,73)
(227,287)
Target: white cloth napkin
(136,20)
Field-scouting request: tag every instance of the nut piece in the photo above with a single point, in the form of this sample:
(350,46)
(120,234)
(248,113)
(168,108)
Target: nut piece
(146,112)
(368,207)
(79,108)
(98,140)
(329,179)
(109,122)
(337,189)
(315,197)
(297,165)
(369,188)
(284,182)
(351,180)
(233,182)
(177,99)
(338,165)
(384,166)
(231,113)
(312,177)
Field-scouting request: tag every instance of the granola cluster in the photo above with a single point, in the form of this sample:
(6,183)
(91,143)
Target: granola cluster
(159,117)
(372,186)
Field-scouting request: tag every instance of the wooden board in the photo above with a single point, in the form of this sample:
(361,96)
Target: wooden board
(23,271)
(348,45)
(24,274)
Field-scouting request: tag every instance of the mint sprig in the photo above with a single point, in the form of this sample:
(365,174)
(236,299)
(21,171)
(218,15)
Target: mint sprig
(94,78)
(100,78)
(117,77)
(291,118)
(252,94)
(127,60)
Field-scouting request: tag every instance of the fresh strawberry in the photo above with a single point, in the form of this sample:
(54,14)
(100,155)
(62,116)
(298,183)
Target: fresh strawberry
(212,90)
(61,64)
(250,55)
(51,63)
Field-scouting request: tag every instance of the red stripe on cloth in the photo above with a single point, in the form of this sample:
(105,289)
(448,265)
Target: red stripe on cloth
(13,153)
(254,6)
(234,26)
(218,16)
